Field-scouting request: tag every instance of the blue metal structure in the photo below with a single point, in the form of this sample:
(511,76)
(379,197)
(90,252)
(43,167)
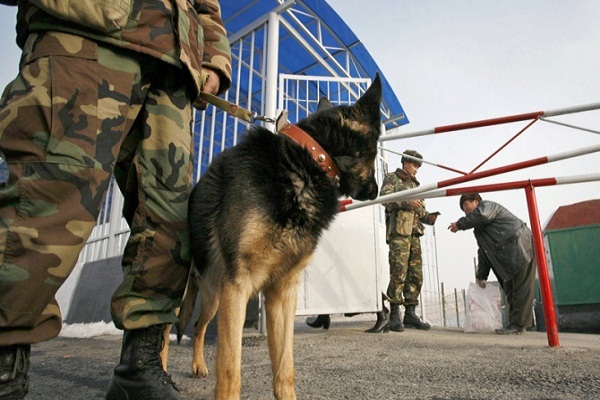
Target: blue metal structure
(311,41)
(322,28)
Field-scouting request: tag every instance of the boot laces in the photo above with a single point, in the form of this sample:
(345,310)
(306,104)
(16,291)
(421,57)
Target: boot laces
(153,363)
(20,366)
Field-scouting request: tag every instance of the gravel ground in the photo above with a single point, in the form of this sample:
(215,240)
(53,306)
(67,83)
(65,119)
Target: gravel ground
(345,363)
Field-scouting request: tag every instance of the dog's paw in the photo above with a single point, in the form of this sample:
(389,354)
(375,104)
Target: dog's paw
(199,370)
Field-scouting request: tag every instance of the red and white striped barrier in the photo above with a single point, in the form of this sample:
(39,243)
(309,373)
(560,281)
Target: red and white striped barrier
(492,121)
(435,190)
(420,192)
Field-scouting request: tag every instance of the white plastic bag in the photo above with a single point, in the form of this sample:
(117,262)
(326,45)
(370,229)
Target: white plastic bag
(483,309)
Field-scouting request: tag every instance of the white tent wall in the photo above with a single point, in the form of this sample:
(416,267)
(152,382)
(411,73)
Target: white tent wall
(348,270)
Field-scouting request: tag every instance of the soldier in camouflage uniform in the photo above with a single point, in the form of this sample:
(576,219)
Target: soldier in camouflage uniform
(104,87)
(404,223)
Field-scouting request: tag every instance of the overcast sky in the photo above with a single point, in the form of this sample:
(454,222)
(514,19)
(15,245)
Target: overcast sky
(459,61)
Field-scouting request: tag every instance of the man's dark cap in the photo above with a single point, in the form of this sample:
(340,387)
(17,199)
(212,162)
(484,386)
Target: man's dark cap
(468,197)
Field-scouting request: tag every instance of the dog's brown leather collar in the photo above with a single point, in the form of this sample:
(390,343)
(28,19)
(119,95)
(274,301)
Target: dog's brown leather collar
(318,153)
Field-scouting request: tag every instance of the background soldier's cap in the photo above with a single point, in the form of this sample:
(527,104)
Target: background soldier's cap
(412,153)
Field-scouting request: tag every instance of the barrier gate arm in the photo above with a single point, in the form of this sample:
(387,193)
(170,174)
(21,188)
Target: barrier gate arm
(348,205)
(492,121)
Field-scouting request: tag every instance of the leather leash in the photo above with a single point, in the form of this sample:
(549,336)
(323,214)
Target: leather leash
(282,126)
(232,109)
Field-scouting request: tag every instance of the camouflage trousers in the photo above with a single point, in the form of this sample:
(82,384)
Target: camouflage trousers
(76,113)
(406,270)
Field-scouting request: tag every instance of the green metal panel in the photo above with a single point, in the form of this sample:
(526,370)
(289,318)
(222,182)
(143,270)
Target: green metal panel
(575,263)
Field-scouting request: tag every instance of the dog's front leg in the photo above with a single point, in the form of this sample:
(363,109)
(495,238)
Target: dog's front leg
(230,326)
(280,304)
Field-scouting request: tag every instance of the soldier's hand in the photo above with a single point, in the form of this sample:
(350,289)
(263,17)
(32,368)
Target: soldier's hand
(481,283)
(211,85)
(414,204)
(213,82)
(433,217)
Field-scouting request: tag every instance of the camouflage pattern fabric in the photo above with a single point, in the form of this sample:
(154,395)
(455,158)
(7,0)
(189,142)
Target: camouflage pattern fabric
(77,111)
(395,182)
(406,267)
(185,34)
(406,270)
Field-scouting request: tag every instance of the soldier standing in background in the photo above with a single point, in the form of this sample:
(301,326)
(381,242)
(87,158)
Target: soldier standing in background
(103,87)
(404,226)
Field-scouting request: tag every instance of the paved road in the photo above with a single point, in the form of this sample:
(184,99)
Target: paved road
(345,363)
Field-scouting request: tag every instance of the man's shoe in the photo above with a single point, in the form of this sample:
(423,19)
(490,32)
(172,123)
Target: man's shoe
(14,364)
(511,329)
(140,375)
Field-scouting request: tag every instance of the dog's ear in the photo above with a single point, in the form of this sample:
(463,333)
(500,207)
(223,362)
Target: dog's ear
(324,104)
(369,102)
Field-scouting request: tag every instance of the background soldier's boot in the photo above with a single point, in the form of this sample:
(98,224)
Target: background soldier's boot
(140,375)
(395,323)
(14,364)
(322,321)
(412,320)
(381,325)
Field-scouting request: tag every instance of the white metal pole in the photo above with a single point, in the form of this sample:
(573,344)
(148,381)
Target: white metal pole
(114,225)
(572,110)
(270,107)
(272,67)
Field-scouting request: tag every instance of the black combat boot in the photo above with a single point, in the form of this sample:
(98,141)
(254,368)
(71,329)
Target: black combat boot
(14,364)
(412,320)
(322,320)
(381,325)
(395,323)
(140,375)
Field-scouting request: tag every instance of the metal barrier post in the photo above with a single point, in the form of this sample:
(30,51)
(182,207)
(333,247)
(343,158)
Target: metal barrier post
(542,266)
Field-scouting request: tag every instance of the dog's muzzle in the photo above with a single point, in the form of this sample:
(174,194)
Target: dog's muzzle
(367,192)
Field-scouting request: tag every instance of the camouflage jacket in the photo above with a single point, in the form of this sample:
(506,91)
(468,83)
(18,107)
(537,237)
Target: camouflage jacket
(395,182)
(187,34)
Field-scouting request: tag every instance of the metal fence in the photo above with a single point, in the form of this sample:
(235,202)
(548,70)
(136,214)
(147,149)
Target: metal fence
(440,304)
(444,309)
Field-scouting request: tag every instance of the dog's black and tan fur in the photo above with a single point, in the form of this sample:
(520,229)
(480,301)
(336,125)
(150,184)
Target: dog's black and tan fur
(256,216)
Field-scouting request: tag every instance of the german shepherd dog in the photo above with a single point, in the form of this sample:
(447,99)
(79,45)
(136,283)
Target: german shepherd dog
(255,218)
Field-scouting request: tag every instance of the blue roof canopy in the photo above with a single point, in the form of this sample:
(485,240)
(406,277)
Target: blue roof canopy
(338,51)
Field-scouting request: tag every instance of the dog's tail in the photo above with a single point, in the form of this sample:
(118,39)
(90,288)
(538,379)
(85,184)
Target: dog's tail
(187,305)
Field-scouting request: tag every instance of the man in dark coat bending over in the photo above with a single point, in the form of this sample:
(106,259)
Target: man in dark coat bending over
(505,247)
